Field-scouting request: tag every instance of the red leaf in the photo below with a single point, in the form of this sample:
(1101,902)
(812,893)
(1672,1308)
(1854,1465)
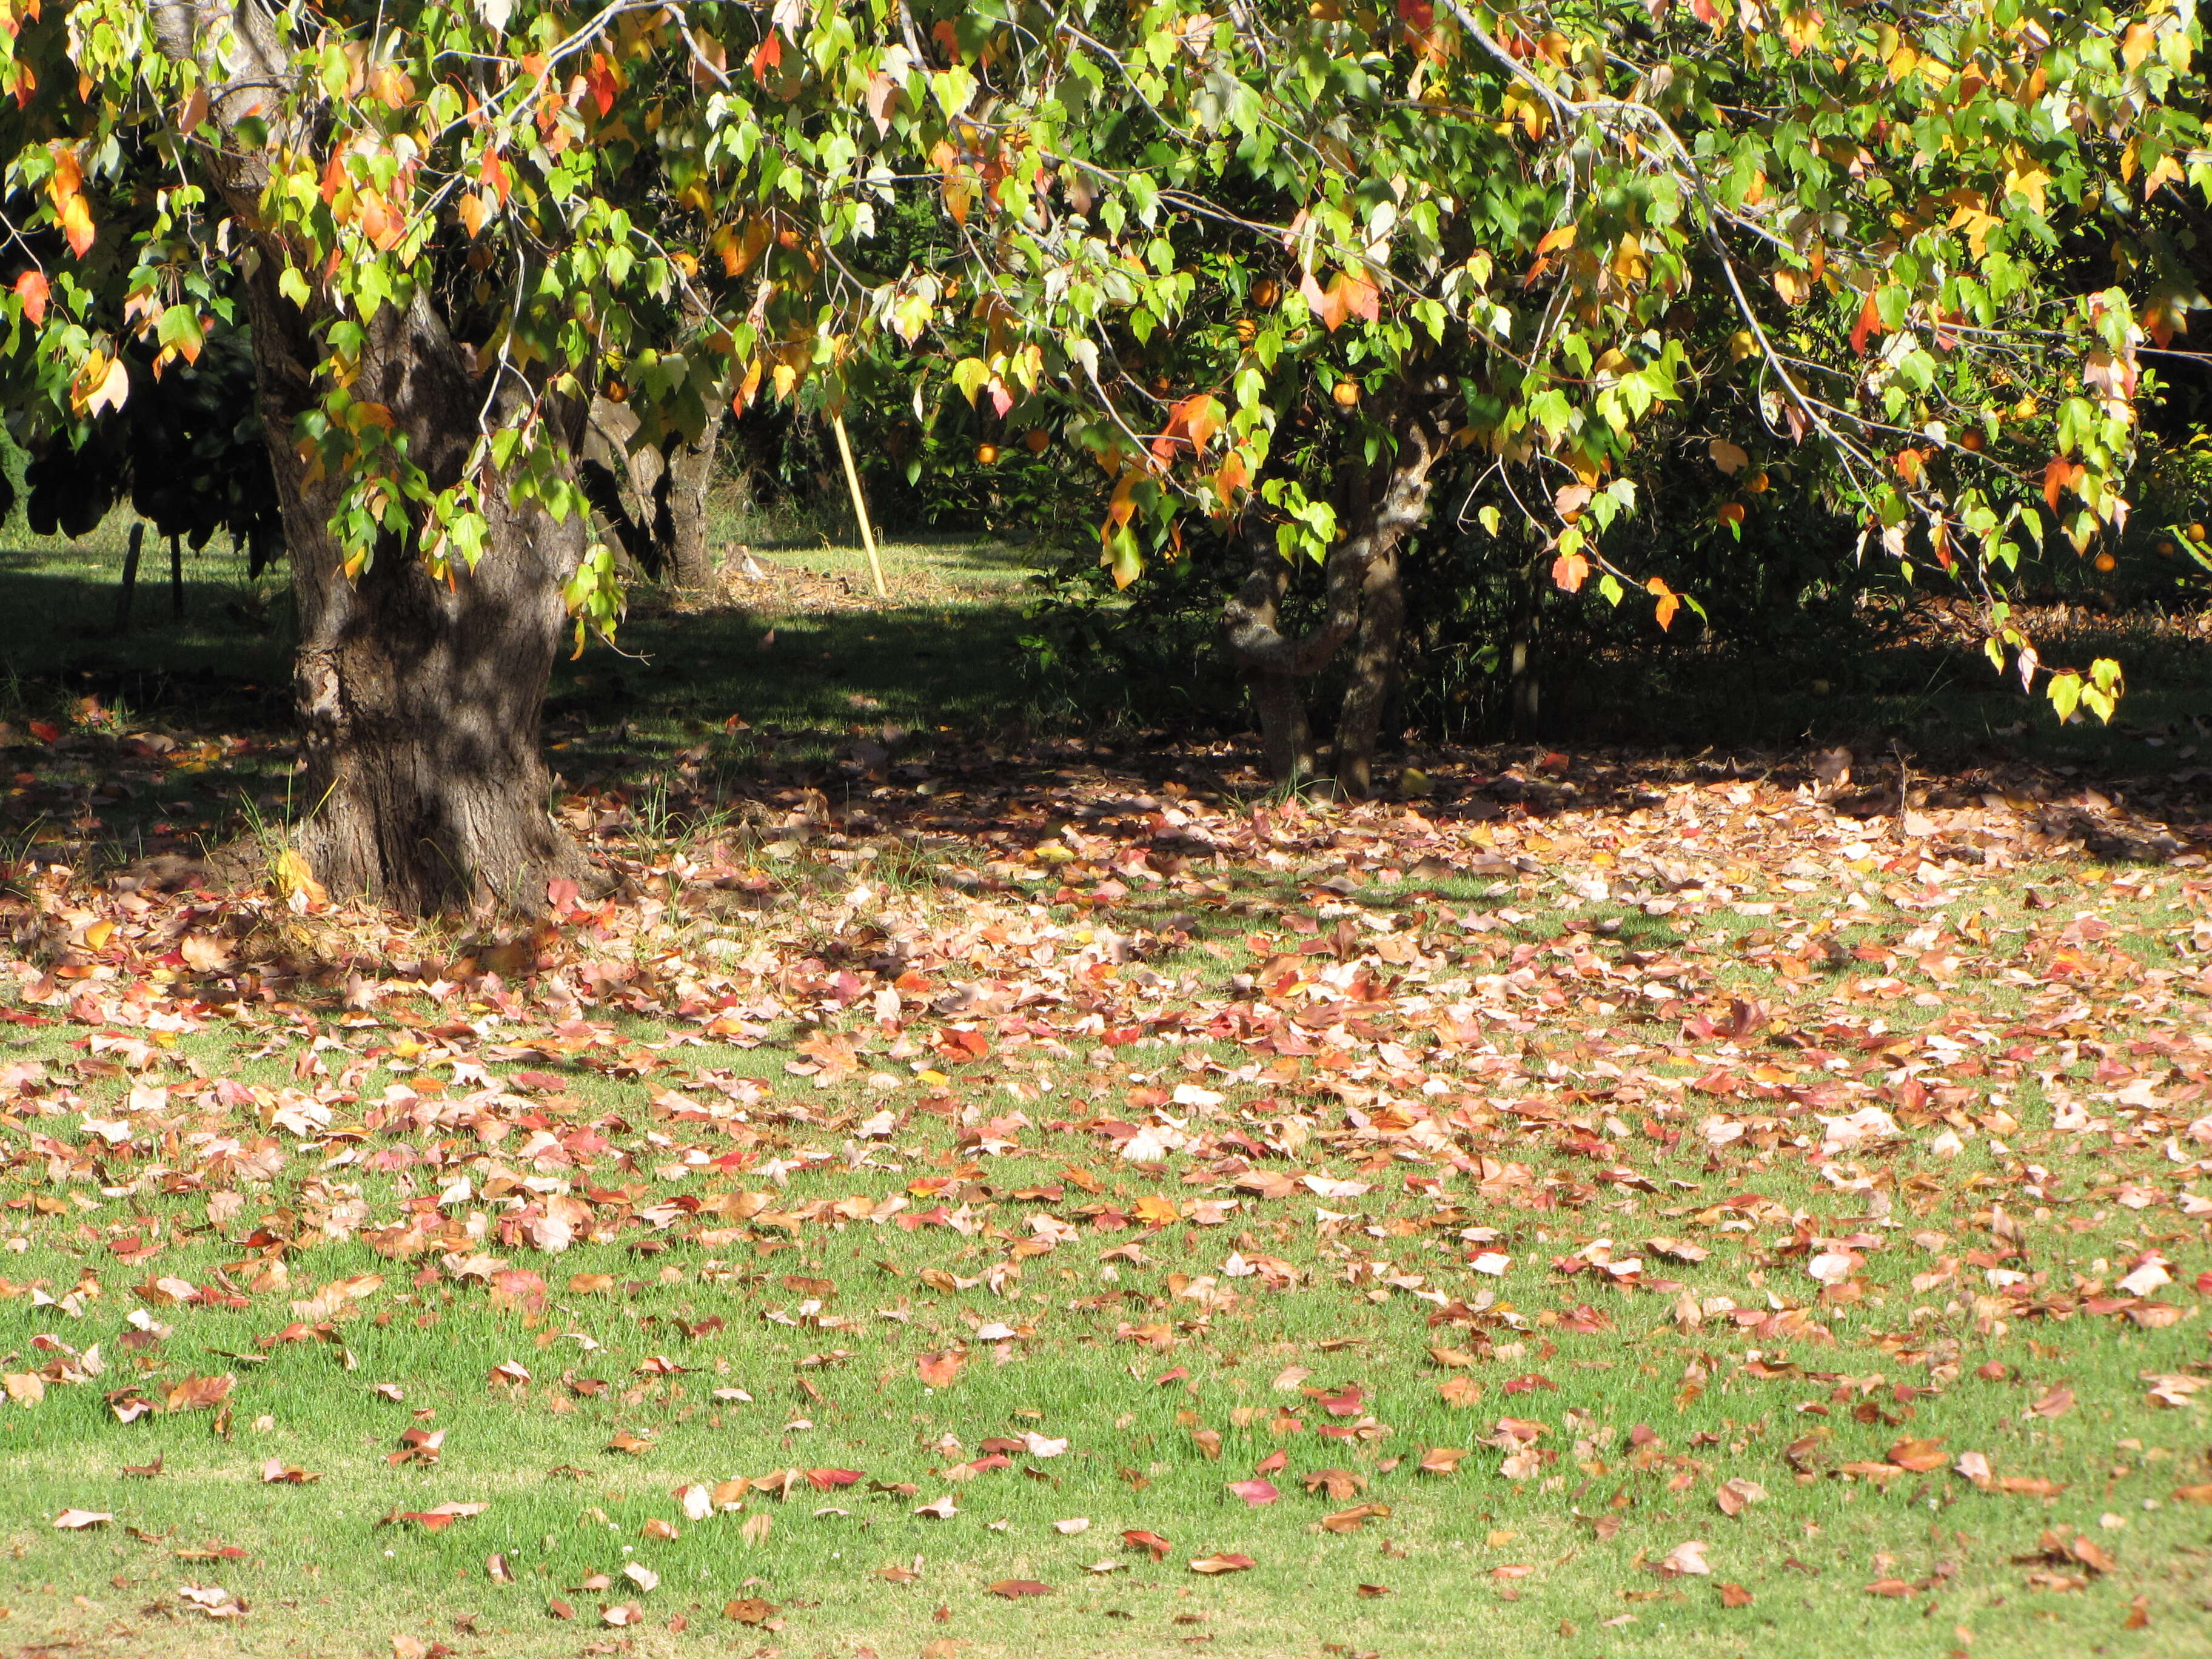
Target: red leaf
(768,57)
(1256,1492)
(1150,1542)
(939,1370)
(31,289)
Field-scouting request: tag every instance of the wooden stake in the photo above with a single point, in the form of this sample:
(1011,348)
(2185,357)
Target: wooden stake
(129,579)
(859,505)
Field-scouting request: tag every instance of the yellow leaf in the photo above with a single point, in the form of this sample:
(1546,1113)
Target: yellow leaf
(2024,177)
(2137,44)
(1795,287)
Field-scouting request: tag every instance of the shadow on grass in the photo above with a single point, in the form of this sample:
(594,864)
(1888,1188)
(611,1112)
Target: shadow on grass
(870,707)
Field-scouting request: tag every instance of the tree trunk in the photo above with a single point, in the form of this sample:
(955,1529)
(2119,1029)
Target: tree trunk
(1379,502)
(626,488)
(1524,681)
(1286,736)
(419,700)
(689,562)
(1373,672)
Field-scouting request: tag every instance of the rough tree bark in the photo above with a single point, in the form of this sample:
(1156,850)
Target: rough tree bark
(419,703)
(1379,504)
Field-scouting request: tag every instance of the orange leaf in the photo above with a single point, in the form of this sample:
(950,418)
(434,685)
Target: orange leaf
(31,289)
(1211,1565)
(939,1370)
(1569,571)
(2058,475)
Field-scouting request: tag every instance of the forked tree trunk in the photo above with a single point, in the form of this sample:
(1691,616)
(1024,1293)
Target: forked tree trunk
(1379,505)
(419,702)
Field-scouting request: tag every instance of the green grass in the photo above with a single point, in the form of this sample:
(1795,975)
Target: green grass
(1646,1418)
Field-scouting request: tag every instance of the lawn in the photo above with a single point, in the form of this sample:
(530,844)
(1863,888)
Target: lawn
(973,1190)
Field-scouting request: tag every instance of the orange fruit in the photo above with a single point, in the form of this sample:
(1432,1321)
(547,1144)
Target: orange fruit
(1038,439)
(1247,331)
(2197,532)
(1347,394)
(1266,292)
(986,453)
(2106,562)
(1970,438)
(2166,549)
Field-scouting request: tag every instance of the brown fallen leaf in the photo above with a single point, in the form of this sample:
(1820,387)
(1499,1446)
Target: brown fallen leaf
(277,1472)
(1353,1519)
(1735,1595)
(1685,1560)
(1211,1565)
(1441,1459)
(1338,1484)
(1370,1592)
(435,1520)
(78,1520)
(1891,1587)
(1737,1494)
(199,1393)
(2055,1403)
(2138,1615)
(1013,1590)
(1919,1456)
(2196,1494)
(749,1610)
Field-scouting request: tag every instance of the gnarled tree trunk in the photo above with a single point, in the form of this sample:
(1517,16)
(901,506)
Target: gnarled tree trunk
(1380,503)
(654,496)
(419,702)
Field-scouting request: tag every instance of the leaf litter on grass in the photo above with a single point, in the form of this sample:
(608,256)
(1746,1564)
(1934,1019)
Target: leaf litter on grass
(1443,1111)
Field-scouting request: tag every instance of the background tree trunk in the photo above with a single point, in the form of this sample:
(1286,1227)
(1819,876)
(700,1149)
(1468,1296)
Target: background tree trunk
(1374,671)
(690,562)
(1379,504)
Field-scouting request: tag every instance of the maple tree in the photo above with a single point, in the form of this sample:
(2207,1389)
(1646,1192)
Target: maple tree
(443,230)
